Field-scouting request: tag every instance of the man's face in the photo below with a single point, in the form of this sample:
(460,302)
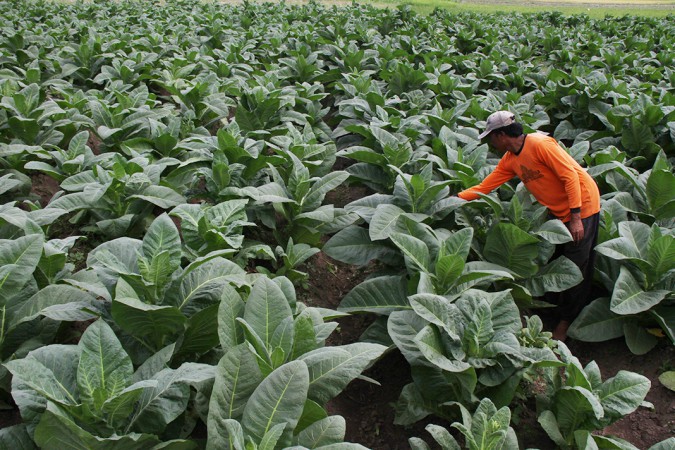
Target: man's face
(496,141)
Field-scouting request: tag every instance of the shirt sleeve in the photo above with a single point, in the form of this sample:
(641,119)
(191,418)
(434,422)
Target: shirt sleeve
(563,166)
(499,176)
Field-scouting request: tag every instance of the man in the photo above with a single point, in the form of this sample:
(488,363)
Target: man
(558,182)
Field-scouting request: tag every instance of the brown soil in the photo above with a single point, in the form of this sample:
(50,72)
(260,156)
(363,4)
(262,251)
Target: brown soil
(44,187)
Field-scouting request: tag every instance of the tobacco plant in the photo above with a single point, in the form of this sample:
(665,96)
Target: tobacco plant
(487,429)
(115,198)
(153,300)
(89,395)
(642,292)
(577,402)
(276,376)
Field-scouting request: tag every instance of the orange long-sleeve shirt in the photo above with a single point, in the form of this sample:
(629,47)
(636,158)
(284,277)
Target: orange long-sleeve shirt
(555,179)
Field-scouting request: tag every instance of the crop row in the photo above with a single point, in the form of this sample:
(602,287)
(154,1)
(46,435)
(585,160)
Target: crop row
(195,145)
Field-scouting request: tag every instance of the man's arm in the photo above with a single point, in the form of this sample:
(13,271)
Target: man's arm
(495,179)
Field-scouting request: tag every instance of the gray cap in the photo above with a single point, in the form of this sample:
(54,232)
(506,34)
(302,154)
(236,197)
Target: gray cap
(497,120)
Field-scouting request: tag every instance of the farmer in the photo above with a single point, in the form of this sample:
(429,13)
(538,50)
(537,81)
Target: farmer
(558,182)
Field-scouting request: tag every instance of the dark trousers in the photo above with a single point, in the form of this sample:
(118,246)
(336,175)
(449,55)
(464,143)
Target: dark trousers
(573,300)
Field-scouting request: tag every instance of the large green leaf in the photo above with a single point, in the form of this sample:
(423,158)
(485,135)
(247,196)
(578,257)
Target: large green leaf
(414,249)
(312,412)
(18,260)
(448,269)
(156,272)
(269,441)
(154,364)
(511,247)
(266,308)
(354,246)
(7,183)
(237,376)
(331,369)
(304,334)
(437,310)
(556,276)
(384,221)
(201,333)
(554,231)
(610,442)
(282,341)
(157,407)
(638,339)
(505,315)
(597,323)
(161,196)
(380,295)
(203,286)
(365,207)
(162,236)
(36,376)
(56,301)
(104,369)
(59,364)
(279,399)
(329,430)
(261,350)
(443,437)
(117,409)
(116,227)
(155,323)
(21,220)
(234,434)
(459,243)
(189,215)
(480,272)
(119,256)
(549,423)
(629,298)
(660,188)
(632,245)
(623,393)
(574,405)
(74,201)
(411,406)
(227,212)
(479,328)
(661,256)
(342,446)
(403,327)
(637,135)
(668,444)
(231,307)
(430,344)
(363,154)
(319,189)
(56,430)
(16,437)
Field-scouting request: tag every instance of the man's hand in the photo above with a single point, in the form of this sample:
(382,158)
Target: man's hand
(576,228)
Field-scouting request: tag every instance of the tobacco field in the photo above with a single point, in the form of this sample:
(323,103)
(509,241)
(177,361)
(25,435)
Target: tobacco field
(173,173)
